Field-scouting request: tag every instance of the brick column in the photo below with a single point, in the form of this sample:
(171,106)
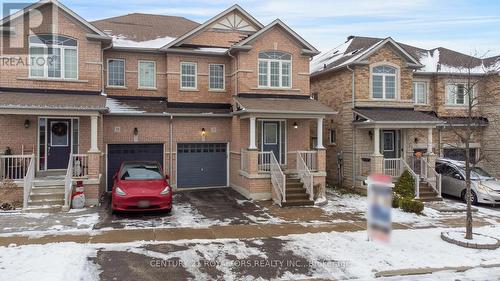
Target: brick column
(253,161)
(377,163)
(321,160)
(94,164)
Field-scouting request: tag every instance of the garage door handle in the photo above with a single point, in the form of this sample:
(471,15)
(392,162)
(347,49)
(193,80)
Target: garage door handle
(202,169)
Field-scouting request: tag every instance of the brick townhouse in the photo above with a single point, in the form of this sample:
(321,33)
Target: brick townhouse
(218,104)
(395,101)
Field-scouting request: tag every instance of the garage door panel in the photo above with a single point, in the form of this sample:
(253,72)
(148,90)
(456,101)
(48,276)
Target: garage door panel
(201,165)
(117,153)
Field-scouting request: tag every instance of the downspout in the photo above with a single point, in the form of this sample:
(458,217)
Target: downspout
(236,89)
(171,146)
(353,87)
(103,84)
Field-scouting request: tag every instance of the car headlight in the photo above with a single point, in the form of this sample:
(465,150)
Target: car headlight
(165,191)
(120,192)
(484,188)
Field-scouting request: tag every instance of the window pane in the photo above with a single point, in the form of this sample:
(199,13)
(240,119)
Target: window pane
(420,92)
(76,139)
(377,87)
(450,94)
(54,62)
(275,74)
(216,76)
(460,94)
(37,61)
(270,133)
(188,77)
(285,74)
(263,73)
(116,73)
(70,63)
(275,55)
(147,74)
(390,87)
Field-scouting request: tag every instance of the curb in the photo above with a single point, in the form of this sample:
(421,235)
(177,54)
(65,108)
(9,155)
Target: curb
(430,270)
(471,245)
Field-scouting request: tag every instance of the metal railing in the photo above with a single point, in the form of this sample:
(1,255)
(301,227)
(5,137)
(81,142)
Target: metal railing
(310,158)
(80,165)
(392,166)
(430,175)
(278,180)
(68,183)
(14,167)
(305,175)
(416,177)
(244,160)
(28,180)
(265,161)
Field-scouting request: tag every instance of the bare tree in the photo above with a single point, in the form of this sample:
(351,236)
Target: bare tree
(467,87)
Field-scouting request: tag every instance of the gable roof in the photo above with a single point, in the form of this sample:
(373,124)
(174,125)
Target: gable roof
(437,60)
(290,31)
(145,27)
(60,6)
(209,22)
(356,50)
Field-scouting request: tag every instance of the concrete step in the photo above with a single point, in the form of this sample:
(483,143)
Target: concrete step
(44,183)
(293,196)
(427,194)
(430,199)
(44,209)
(297,202)
(295,190)
(47,189)
(47,196)
(45,202)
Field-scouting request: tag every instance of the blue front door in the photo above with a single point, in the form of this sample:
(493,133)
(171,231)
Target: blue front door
(59,143)
(271,138)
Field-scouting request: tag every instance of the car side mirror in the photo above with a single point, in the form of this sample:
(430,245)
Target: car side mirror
(457,176)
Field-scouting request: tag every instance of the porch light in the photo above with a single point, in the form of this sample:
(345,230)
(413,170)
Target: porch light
(370,134)
(136,131)
(26,123)
(416,140)
(203,132)
(295,125)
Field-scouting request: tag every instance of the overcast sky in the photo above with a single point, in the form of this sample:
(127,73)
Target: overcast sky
(466,26)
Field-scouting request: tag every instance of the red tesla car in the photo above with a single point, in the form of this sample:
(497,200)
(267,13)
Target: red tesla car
(141,186)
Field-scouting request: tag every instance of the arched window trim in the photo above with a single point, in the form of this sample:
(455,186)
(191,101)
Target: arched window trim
(397,80)
(280,80)
(41,61)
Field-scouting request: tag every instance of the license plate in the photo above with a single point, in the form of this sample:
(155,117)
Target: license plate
(143,204)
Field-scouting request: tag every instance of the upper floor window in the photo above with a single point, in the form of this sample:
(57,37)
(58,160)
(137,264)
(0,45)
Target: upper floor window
(116,73)
(458,94)
(332,136)
(147,74)
(384,82)
(275,69)
(53,56)
(216,77)
(189,75)
(420,92)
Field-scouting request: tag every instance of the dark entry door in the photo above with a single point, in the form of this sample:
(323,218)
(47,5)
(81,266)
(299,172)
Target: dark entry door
(117,153)
(59,143)
(389,145)
(271,138)
(201,165)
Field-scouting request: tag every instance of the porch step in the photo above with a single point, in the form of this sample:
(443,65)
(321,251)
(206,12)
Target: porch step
(430,199)
(295,190)
(297,202)
(293,196)
(44,209)
(46,202)
(49,183)
(47,189)
(47,196)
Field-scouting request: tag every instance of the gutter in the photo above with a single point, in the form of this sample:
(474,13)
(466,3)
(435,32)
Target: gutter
(195,52)
(286,112)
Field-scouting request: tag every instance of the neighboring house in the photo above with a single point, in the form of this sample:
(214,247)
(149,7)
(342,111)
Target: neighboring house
(396,100)
(223,103)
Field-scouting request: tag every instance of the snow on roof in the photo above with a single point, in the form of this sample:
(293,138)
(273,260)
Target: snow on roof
(116,106)
(212,50)
(121,41)
(431,61)
(324,59)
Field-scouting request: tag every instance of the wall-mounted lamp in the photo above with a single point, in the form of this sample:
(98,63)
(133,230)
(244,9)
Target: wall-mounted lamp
(416,140)
(370,134)
(26,123)
(295,125)
(203,132)
(136,131)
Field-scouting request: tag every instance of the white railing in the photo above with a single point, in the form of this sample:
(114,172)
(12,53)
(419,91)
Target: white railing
(265,161)
(416,177)
(28,181)
(14,167)
(80,165)
(305,175)
(431,176)
(310,158)
(68,183)
(392,166)
(244,160)
(278,180)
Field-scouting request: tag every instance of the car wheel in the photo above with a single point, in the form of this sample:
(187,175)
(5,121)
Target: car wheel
(168,211)
(473,194)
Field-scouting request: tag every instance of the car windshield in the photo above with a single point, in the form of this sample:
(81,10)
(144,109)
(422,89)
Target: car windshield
(141,171)
(478,173)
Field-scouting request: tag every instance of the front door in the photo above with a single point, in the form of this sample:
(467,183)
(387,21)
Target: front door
(271,138)
(58,143)
(389,144)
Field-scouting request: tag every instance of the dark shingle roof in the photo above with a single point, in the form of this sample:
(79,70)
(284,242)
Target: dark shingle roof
(396,115)
(144,27)
(160,106)
(58,101)
(283,105)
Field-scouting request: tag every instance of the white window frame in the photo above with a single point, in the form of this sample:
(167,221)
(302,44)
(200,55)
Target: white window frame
(330,139)
(67,135)
(223,78)
(124,73)
(154,87)
(45,56)
(392,138)
(426,87)
(466,96)
(384,75)
(268,75)
(195,76)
